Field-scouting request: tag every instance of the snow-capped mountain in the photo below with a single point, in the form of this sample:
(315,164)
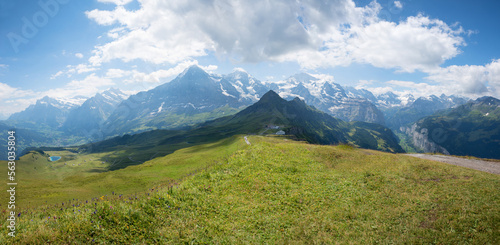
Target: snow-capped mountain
(195,96)
(192,97)
(389,99)
(86,120)
(332,98)
(245,86)
(361,94)
(51,112)
(397,116)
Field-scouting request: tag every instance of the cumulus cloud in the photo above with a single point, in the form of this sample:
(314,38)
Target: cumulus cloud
(79,55)
(418,89)
(87,86)
(154,77)
(312,32)
(117,73)
(472,80)
(418,43)
(398,4)
(468,80)
(75,69)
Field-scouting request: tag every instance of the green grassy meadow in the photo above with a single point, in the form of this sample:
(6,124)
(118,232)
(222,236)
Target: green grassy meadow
(275,191)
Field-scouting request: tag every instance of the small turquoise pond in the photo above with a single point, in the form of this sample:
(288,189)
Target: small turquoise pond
(54,158)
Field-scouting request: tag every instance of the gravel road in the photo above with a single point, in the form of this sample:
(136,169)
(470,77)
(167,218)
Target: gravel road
(485,166)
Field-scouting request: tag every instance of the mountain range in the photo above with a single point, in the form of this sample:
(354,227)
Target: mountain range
(47,112)
(87,119)
(265,117)
(196,96)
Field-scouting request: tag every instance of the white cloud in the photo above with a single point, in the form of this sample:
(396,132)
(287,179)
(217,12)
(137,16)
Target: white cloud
(88,87)
(398,4)
(58,74)
(7,91)
(157,76)
(14,99)
(76,69)
(418,89)
(312,32)
(4,66)
(472,80)
(419,43)
(84,68)
(11,99)
(79,55)
(117,2)
(117,73)
(173,31)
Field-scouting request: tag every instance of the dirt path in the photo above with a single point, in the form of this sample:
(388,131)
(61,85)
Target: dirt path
(246,140)
(485,166)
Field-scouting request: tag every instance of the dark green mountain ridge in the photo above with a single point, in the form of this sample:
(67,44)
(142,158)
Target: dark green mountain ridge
(472,129)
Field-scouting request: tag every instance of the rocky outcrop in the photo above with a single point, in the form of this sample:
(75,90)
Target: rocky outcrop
(421,141)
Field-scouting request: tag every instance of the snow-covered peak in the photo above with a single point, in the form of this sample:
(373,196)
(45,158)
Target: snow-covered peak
(239,74)
(239,70)
(62,103)
(406,99)
(113,93)
(192,70)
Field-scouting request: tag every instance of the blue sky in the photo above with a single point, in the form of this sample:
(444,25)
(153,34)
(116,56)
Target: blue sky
(64,48)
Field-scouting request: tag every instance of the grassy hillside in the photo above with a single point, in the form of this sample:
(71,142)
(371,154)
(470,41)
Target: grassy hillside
(295,117)
(84,176)
(280,191)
